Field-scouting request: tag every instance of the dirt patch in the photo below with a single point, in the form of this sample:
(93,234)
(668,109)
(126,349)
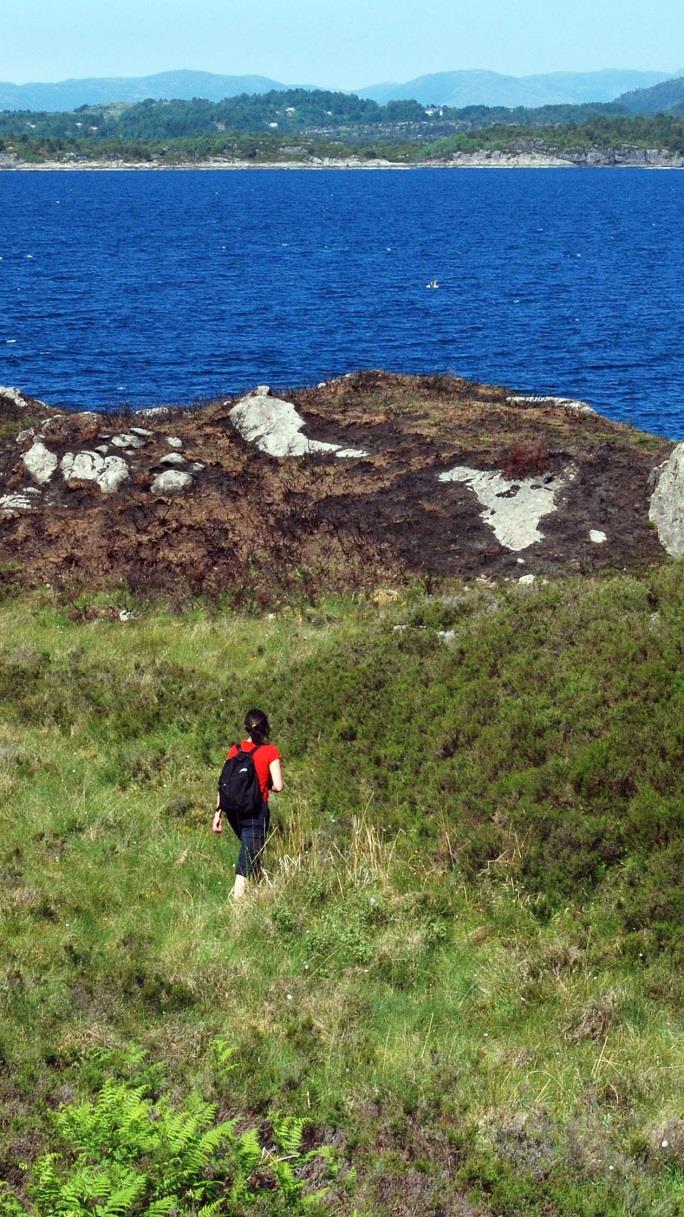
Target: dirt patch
(248,524)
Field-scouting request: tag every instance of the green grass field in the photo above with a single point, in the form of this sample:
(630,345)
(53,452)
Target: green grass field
(464,968)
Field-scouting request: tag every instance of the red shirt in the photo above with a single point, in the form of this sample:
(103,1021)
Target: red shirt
(265,753)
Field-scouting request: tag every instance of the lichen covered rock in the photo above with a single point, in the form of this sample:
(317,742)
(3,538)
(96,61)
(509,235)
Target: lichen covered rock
(667,503)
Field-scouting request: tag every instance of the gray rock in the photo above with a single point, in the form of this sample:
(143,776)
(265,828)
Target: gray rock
(173,458)
(275,426)
(144,431)
(9,503)
(40,462)
(107,471)
(171,481)
(197,466)
(128,441)
(24,435)
(666,510)
(174,442)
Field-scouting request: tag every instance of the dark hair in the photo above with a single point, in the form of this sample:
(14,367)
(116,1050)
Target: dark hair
(257,726)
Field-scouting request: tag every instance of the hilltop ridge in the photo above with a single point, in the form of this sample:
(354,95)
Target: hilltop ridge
(370,476)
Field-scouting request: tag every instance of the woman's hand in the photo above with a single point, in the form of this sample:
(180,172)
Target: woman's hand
(217,822)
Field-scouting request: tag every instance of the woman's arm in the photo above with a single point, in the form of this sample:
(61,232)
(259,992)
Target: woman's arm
(276,776)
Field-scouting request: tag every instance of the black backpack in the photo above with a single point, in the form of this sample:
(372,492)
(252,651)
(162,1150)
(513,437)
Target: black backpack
(239,786)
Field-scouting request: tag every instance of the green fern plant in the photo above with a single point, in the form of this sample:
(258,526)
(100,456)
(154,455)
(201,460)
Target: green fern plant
(128,1154)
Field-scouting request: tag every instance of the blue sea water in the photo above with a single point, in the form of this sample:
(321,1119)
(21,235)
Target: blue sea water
(146,287)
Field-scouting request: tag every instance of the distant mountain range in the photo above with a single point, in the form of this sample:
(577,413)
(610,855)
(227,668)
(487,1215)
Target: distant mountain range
(475,88)
(457,89)
(183,85)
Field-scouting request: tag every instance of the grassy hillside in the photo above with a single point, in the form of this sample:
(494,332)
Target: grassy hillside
(464,970)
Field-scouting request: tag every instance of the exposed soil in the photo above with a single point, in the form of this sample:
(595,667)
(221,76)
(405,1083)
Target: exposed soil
(248,524)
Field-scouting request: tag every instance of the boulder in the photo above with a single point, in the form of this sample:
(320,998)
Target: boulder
(275,426)
(666,510)
(128,440)
(108,471)
(171,481)
(40,462)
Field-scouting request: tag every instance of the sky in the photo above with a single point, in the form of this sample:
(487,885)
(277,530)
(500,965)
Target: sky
(334,43)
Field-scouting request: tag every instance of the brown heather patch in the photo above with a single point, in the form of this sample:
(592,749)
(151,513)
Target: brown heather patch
(264,530)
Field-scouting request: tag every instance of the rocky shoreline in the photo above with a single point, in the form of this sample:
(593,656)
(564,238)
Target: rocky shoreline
(367,478)
(493,159)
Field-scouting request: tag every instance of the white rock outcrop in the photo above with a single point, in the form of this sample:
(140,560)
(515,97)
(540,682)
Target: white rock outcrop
(666,510)
(171,481)
(173,458)
(566,403)
(108,471)
(16,397)
(40,462)
(514,509)
(598,536)
(276,428)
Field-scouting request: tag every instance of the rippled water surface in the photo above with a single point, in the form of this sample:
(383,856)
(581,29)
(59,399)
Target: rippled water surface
(147,287)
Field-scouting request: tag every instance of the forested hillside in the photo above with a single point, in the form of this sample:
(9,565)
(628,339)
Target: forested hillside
(660,99)
(299,124)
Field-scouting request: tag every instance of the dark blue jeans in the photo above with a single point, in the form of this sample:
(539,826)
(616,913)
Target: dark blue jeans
(252,835)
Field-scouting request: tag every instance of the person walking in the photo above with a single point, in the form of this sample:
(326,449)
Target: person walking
(251,828)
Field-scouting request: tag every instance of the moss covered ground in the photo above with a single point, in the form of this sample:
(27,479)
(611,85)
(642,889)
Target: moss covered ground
(464,967)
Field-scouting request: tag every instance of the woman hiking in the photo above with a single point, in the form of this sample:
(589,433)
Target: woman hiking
(244,788)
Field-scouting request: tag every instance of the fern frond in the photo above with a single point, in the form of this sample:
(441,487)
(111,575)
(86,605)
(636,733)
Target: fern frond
(211,1210)
(163,1206)
(9,1205)
(248,1150)
(213,1138)
(122,1200)
(289,1184)
(288,1132)
(47,1180)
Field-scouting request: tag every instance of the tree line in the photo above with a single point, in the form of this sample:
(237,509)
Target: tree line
(298,124)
